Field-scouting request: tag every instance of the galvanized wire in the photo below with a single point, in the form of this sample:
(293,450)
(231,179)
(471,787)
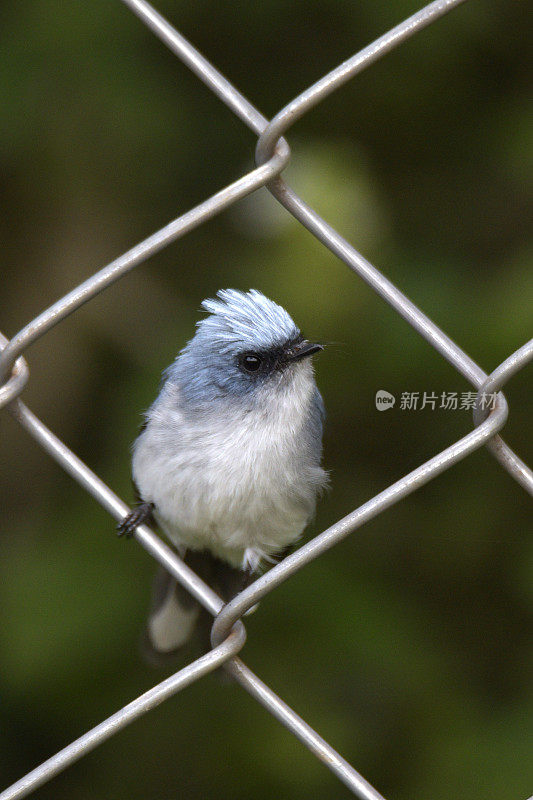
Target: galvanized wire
(228,634)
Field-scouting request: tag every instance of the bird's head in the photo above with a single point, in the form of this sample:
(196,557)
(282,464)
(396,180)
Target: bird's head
(247,347)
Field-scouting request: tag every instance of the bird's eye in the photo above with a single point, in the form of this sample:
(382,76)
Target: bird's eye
(251,362)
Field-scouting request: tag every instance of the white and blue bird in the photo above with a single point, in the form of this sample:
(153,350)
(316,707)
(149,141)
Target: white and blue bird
(228,462)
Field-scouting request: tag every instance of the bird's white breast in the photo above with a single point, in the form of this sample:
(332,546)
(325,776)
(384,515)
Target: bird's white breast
(239,483)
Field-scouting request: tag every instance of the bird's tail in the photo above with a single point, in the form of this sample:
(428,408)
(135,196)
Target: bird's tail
(176,618)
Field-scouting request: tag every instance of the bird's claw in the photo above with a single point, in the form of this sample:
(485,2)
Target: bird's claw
(137,517)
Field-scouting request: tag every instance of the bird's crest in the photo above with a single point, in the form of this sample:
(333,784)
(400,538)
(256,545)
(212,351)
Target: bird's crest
(247,318)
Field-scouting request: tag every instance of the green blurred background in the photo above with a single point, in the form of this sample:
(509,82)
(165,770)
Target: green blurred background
(409,646)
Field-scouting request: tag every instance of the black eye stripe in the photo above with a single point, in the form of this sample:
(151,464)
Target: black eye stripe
(264,362)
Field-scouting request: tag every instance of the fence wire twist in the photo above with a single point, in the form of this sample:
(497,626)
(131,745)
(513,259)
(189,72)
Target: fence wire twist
(228,633)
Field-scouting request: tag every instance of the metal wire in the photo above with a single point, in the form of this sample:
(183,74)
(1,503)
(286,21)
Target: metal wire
(228,633)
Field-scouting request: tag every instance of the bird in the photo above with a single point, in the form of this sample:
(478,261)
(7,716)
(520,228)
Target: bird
(228,460)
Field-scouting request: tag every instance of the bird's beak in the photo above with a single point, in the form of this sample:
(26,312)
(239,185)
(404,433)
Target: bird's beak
(302,350)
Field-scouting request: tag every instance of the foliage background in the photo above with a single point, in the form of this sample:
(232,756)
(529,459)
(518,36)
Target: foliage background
(408,646)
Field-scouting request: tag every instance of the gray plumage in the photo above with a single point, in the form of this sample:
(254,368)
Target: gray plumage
(229,458)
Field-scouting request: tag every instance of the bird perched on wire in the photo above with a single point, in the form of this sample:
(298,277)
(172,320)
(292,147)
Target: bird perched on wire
(228,460)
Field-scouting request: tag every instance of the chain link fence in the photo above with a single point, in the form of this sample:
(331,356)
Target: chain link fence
(228,633)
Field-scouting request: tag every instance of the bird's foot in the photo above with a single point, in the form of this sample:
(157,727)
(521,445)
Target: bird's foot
(138,516)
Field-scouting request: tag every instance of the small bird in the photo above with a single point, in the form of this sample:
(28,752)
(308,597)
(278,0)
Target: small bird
(228,462)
